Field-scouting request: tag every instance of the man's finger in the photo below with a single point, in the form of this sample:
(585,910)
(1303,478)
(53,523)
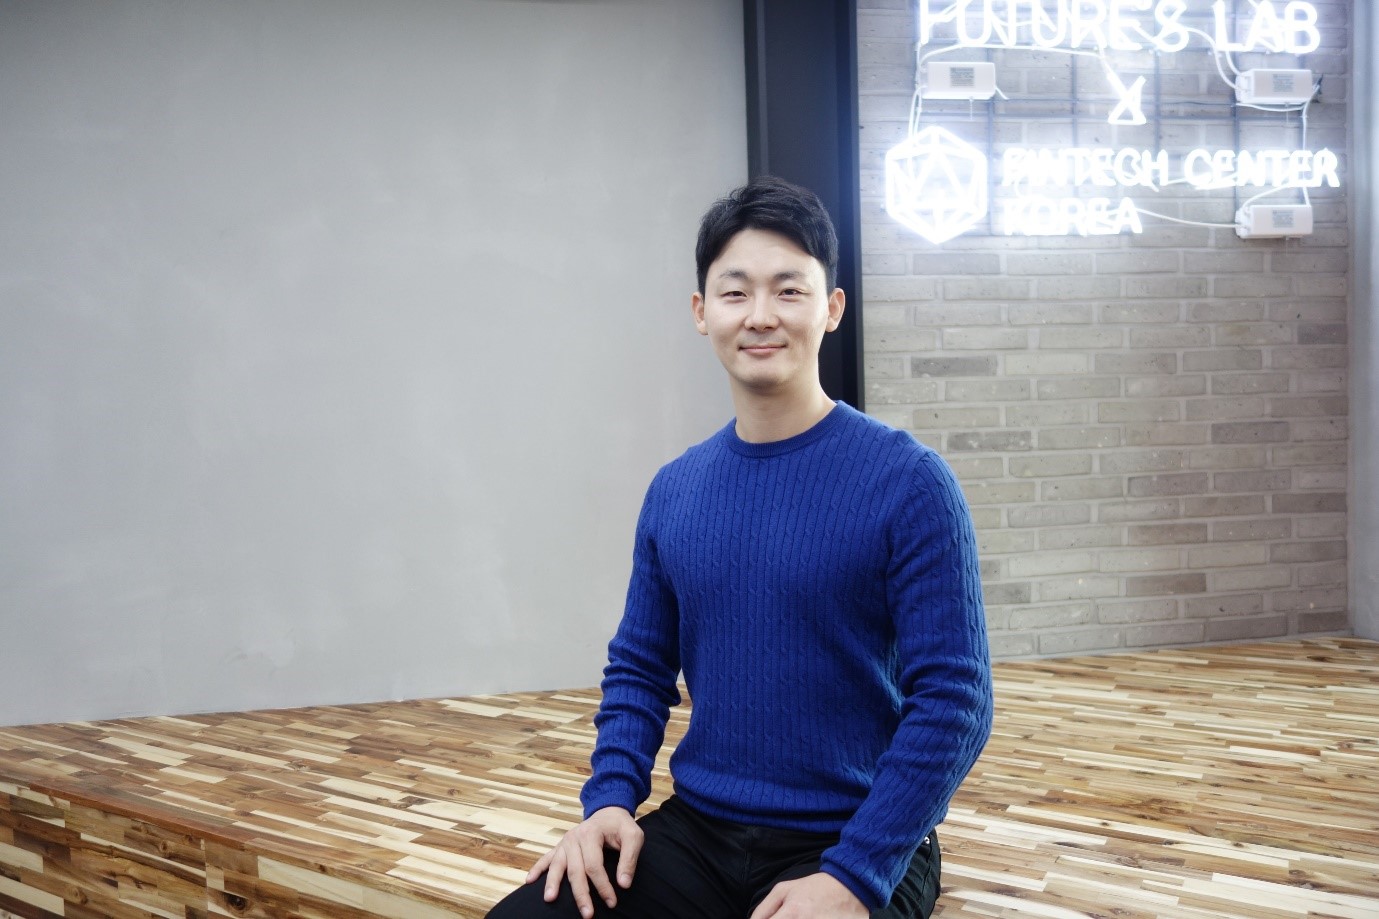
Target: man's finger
(593,867)
(627,858)
(579,883)
(554,874)
(540,866)
(768,907)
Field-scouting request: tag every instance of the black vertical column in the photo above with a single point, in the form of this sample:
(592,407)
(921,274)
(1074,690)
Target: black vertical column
(802,126)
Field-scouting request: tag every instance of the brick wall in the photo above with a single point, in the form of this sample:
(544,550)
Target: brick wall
(1151,429)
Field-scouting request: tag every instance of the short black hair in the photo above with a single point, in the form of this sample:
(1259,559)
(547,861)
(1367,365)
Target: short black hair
(769,203)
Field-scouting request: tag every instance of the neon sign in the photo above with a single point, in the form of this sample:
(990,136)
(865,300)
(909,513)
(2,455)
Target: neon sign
(1119,25)
(939,185)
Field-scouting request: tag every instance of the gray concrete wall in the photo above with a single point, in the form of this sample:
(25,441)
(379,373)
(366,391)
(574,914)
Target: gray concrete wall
(339,340)
(1152,429)
(1364,333)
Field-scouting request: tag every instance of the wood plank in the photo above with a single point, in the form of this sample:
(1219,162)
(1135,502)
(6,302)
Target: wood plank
(1233,782)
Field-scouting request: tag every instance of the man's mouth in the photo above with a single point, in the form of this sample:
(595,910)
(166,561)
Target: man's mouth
(762,348)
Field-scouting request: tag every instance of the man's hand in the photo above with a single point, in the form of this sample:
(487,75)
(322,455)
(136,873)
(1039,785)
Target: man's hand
(579,857)
(818,896)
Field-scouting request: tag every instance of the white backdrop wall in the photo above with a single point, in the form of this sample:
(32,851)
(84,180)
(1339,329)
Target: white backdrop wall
(339,340)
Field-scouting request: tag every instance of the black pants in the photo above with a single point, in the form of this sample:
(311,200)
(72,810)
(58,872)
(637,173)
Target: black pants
(697,867)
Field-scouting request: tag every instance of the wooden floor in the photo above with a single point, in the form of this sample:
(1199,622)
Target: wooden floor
(1211,783)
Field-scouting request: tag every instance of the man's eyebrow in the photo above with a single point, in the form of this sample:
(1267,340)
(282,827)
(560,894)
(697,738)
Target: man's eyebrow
(738,274)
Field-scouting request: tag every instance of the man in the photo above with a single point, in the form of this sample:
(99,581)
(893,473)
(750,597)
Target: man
(813,573)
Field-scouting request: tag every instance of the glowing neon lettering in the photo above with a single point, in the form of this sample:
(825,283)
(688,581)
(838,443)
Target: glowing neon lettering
(1038,216)
(1294,31)
(1262,169)
(1122,25)
(1073,166)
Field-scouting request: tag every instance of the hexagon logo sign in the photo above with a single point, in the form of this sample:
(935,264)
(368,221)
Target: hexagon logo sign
(936,184)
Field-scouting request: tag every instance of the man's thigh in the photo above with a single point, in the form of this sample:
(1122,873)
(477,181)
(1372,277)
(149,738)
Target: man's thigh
(684,872)
(914,896)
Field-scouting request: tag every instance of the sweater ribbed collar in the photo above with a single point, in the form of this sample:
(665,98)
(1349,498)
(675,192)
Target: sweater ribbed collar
(821,428)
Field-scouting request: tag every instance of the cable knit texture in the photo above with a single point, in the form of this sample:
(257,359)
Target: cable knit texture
(821,595)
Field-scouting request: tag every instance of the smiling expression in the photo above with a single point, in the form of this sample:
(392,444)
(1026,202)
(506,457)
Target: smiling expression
(765,309)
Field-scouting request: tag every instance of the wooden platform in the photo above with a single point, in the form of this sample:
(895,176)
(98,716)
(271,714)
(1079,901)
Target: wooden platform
(1212,783)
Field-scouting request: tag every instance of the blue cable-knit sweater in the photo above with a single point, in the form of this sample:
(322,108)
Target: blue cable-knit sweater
(821,595)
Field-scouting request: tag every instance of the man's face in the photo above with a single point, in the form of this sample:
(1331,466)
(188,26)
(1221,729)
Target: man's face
(765,308)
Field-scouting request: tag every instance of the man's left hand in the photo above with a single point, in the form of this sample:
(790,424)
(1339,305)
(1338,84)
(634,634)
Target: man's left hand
(818,896)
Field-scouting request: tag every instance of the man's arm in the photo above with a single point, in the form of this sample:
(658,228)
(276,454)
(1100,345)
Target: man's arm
(639,688)
(934,591)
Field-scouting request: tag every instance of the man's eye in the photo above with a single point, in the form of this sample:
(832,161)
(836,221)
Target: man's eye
(791,292)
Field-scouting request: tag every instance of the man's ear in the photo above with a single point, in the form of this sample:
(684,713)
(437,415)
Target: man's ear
(697,308)
(837,302)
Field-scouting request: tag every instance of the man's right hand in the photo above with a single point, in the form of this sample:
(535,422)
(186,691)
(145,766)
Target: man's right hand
(579,857)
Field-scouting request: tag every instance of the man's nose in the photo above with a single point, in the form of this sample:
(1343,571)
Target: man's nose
(762,314)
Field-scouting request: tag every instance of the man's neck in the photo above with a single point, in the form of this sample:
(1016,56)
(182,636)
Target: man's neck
(768,417)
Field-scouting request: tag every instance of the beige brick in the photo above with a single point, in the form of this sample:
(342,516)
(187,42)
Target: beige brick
(1046,466)
(1158,585)
(1089,288)
(1227,556)
(988,441)
(1050,314)
(892,339)
(1139,410)
(1189,336)
(1257,578)
(1228,458)
(945,315)
(883,368)
(1036,364)
(1323,621)
(1112,612)
(1082,489)
(1081,640)
(1250,529)
(891,392)
(1223,359)
(1307,358)
(1247,629)
(1164,633)
(986,390)
(1254,333)
(1049,515)
(1312,599)
(963,263)
(1316,503)
(1076,339)
(1006,645)
(880,289)
(1160,435)
(992,288)
(984,493)
(1046,563)
(1308,406)
(1139,511)
(939,417)
(1082,438)
(953,366)
(1084,388)
(1006,594)
(1175,385)
(1312,551)
(1003,541)
(1150,362)
(1240,384)
(1317,527)
(1143,461)
(1224,605)
(1041,416)
(1158,534)
(978,339)
(1140,311)
(1263,480)
(1216,408)
(1052,616)
(1325,429)
(1223,505)
(1184,483)
(1250,432)
(1132,560)
(1079,537)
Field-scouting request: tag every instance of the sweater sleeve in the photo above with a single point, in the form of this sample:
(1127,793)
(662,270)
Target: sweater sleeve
(935,599)
(639,683)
